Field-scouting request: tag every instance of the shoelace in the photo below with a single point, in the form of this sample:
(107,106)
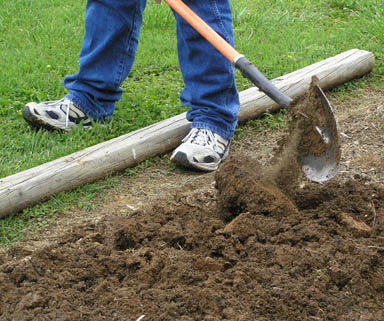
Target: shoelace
(66,103)
(204,137)
(62,102)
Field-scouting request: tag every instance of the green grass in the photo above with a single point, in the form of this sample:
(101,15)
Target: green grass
(40,42)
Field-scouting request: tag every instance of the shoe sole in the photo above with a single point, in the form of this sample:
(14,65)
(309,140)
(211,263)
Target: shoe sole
(35,121)
(38,122)
(181,159)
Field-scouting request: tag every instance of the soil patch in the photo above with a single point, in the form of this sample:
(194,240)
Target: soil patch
(234,245)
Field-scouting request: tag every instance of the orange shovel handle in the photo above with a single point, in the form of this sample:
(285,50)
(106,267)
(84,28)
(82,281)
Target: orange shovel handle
(247,69)
(204,29)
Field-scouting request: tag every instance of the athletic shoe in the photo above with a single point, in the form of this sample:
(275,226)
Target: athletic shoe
(201,149)
(60,114)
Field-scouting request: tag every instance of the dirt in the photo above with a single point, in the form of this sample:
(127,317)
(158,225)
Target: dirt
(310,112)
(253,241)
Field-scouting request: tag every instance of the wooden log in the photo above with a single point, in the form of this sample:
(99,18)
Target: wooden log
(31,186)
(331,72)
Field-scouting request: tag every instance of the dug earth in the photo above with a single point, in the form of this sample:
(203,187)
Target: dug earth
(245,250)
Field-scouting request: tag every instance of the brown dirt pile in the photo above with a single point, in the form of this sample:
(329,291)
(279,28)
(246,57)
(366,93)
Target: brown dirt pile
(248,251)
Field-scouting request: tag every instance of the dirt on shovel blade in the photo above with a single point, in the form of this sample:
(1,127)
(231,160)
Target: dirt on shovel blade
(262,243)
(309,112)
(312,142)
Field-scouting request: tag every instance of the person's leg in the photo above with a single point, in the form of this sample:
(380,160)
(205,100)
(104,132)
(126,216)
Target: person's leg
(110,42)
(111,37)
(210,91)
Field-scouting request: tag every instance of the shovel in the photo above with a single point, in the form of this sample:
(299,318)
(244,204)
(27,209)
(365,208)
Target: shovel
(316,167)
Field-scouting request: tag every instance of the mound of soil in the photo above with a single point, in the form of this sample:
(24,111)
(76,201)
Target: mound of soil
(260,244)
(246,250)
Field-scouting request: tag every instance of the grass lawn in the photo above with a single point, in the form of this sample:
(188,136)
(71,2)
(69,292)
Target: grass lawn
(40,42)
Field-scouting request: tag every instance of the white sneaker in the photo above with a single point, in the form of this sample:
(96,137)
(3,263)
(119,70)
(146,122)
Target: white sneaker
(201,149)
(60,114)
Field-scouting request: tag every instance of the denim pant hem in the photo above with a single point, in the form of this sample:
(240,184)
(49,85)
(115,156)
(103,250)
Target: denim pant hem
(82,104)
(225,134)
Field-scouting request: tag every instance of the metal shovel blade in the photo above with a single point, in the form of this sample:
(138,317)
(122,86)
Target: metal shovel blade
(324,166)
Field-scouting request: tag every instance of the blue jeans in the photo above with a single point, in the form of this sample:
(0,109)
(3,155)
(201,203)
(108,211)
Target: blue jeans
(112,29)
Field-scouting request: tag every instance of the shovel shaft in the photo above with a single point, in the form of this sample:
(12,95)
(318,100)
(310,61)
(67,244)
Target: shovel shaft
(247,69)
